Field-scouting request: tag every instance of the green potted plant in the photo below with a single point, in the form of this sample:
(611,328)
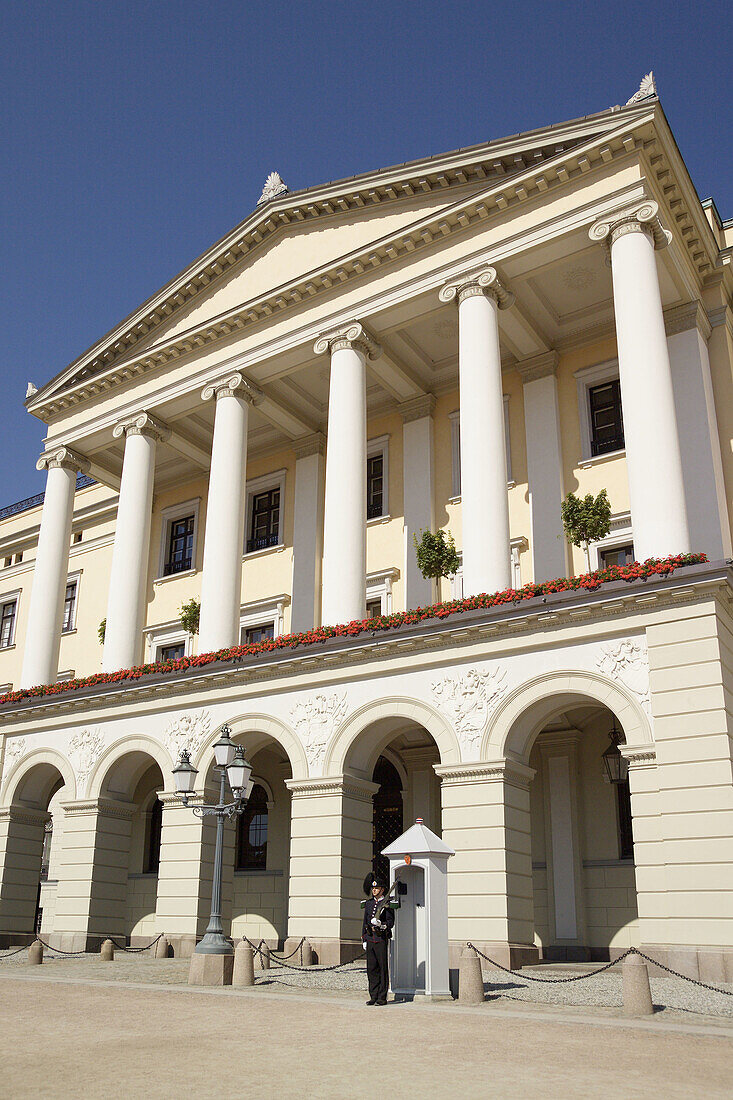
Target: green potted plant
(586,520)
(436,554)
(190,614)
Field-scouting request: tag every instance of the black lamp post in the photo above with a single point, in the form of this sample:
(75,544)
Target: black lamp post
(232,766)
(615,766)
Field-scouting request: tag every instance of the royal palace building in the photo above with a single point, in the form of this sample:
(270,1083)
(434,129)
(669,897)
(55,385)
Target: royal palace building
(452,344)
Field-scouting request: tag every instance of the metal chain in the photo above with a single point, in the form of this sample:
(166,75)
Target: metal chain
(135,950)
(281,958)
(302,969)
(17,951)
(59,951)
(579,977)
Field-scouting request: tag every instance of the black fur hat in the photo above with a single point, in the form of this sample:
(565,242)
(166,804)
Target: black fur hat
(373,879)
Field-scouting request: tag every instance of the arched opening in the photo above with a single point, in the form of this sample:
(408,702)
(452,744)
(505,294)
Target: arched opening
(31,862)
(388,816)
(583,878)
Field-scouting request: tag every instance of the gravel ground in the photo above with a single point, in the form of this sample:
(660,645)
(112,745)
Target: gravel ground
(603,991)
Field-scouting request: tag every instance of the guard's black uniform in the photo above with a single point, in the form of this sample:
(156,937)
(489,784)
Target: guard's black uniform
(376,941)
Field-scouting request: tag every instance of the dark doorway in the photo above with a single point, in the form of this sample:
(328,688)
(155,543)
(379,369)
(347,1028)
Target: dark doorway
(387,820)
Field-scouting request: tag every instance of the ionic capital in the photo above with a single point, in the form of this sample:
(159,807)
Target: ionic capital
(143,423)
(63,458)
(352,335)
(233,385)
(639,219)
(480,280)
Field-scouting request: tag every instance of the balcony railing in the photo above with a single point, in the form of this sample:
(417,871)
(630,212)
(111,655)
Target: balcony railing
(172,567)
(262,543)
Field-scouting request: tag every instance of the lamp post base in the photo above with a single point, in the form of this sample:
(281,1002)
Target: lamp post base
(211,969)
(214,943)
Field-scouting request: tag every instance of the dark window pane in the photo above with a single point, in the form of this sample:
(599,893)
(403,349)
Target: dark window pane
(625,834)
(180,546)
(171,652)
(606,418)
(7,623)
(69,606)
(373,609)
(253,634)
(375,486)
(155,828)
(265,525)
(387,818)
(252,833)
(619,555)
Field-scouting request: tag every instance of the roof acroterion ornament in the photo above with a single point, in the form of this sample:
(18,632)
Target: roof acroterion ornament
(274,186)
(30,390)
(647,89)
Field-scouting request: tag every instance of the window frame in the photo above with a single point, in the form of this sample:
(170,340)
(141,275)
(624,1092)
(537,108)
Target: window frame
(159,659)
(171,633)
(379,445)
(379,587)
(455,443)
(587,379)
(266,483)
(240,866)
(620,535)
(8,598)
(516,548)
(73,578)
(262,613)
(168,517)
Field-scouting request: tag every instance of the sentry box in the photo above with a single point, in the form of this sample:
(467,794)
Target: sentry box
(418,862)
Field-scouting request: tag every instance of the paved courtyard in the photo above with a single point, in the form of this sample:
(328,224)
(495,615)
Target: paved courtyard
(81,1028)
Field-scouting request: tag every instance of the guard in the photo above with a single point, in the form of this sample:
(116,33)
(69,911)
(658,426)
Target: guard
(376,933)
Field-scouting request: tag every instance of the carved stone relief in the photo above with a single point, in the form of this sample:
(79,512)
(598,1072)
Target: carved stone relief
(469,702)
(188,731)
(315,721)
(14,751)
(86,746)
(627,662)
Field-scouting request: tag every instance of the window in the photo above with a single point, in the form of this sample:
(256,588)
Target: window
(516,548)
(8,611)
(19,558)
(250,635)
(625,832)
(78,535)
(599,411)
(264,527)
(252,833)
(618,555)
(166,642)
(179,557)
(8,562)
(373,608)
(377,478)
(152,839)
(264,523)
(172,652)
(178,539)
(455,424)
(606,419)
(64,675)
(46,856)
(69,620)
(379,592)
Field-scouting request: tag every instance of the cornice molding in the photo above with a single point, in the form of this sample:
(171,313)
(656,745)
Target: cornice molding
(310,445)
(638,756)
(24,815)
(539,366)
(499,195)
(722,315)
(417,408)
(63,458)
(103,807)
(348,785)
(642,218)
(495,771)
(351,335)
(482,280)
(685,317)
(142,423)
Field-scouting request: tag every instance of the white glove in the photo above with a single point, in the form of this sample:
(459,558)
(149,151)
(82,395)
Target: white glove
(376,921)
(378,924)
(364,944)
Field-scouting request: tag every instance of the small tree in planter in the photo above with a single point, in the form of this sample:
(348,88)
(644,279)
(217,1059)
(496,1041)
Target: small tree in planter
(190,614)
(586,520)
(101,631)
(436,554)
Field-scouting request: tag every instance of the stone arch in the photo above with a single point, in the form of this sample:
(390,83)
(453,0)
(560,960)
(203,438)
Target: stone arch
(260,781)
(394,707)
(36,759)
(257,730)
(523,713)
(130,746)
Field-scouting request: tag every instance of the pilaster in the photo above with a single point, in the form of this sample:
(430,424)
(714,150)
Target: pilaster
(418,492)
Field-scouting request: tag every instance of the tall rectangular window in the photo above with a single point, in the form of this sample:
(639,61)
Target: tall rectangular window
(606,418)
(7,623)
(69,621)
(180,546)
(375,485)
(625,831)
(264,529)
(617,555)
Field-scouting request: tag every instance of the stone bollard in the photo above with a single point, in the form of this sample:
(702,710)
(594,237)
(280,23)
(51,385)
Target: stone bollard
(637,995)
(107,952)
(306,954)
(264,956)
(244,964)
(470,978)
(162,948)
(35,953)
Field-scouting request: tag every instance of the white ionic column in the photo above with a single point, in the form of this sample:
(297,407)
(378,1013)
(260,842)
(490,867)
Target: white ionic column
(221,583)
(544,466)
(129,574)
(344,523)
(305,606)
(417,481)
(484,500)
(653,460)
(43,634)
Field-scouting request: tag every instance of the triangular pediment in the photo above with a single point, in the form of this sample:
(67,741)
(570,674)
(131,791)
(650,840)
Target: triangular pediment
(301,232)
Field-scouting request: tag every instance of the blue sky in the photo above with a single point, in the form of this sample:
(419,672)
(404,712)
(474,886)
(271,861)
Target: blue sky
(133,134)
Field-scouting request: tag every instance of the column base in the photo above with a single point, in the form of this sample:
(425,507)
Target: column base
(211,969)
(511,955)
(713,965)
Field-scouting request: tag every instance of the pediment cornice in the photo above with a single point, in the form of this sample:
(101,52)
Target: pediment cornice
(113,361)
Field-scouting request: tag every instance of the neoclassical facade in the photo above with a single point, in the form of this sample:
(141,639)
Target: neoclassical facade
(453,344)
